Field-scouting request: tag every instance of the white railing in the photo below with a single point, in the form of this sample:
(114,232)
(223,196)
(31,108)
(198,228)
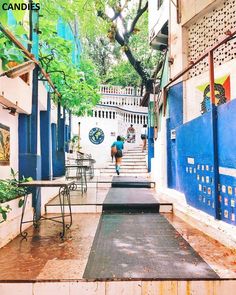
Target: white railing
(121,100)
(105,89)
(121,115)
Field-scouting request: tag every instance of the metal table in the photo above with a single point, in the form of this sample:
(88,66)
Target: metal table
(80,174)
(88,162)
(64,196)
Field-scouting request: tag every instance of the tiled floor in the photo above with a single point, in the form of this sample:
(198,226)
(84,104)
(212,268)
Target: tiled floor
(45,256)
(93,196)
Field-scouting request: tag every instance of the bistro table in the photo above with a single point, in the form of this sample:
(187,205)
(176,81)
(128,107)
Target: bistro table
(80,175)
(64,199)
(88,162)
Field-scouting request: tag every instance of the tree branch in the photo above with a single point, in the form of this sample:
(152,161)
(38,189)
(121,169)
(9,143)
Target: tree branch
(140,12)
(140,4)
(123,41)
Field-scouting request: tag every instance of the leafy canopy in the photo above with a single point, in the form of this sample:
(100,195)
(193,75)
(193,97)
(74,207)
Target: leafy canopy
(76,80)
(125,23)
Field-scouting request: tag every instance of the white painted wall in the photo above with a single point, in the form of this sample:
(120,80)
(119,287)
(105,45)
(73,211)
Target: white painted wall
(191,10)
(159,162)
(17,92)
(157,17)
(12,122)
(42,106)
(101,152)
(178,49)
(42,95)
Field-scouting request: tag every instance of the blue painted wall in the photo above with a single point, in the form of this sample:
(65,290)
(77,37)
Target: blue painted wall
(45,141)
(54,147)
(227,134)
(195,162)
(58,148)
(150,146)
(194,157)
(227,159)
(175,103)
(29,159)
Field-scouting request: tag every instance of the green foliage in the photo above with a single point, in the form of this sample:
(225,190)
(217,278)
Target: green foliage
(8,51)
(123,74)
(4,210)
(77,83)
(3,14)
(141,49)
(10,190)
(18,14)
(74,143)
(126,25)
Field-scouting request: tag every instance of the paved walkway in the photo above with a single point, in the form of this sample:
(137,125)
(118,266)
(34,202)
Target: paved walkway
(44,257)
(133,241)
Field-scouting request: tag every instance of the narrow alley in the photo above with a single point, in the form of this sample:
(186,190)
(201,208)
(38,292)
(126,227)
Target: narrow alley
(117,147)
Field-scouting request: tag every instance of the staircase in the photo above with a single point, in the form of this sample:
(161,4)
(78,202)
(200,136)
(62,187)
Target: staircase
(133,164)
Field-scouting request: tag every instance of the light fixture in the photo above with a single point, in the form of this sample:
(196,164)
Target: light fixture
(19,70)
(11,109)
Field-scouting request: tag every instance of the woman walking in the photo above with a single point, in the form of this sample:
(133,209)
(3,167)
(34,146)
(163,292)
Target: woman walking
(117,147)
(144,136)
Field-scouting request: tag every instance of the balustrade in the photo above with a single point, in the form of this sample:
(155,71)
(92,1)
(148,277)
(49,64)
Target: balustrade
(121,101)
(121,115)
(105,89)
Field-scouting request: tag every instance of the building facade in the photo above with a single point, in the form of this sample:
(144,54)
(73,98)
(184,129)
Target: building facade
(118,109)
(196,137)
(33,129)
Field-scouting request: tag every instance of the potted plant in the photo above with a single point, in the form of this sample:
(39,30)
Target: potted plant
(9,190)
(74,144)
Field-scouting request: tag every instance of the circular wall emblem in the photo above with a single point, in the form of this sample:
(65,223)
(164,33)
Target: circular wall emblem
(96,135)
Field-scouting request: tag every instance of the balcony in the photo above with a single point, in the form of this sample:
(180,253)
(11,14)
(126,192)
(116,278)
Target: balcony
(158,25)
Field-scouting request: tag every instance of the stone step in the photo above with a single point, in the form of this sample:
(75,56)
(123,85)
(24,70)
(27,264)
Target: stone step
(135,152)
(132,151)
(97,208)
(128,164)
(132,166)
(133,162)
(138,174)
(124,174)
(128,170)
(134,156)
(143,158)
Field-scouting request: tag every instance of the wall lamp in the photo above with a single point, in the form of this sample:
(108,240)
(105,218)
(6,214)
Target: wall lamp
(19,70)
(12,111)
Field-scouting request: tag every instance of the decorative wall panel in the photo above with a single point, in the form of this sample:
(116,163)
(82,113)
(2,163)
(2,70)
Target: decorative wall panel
(207,31)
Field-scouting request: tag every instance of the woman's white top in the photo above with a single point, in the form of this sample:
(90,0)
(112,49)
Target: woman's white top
(144,130)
